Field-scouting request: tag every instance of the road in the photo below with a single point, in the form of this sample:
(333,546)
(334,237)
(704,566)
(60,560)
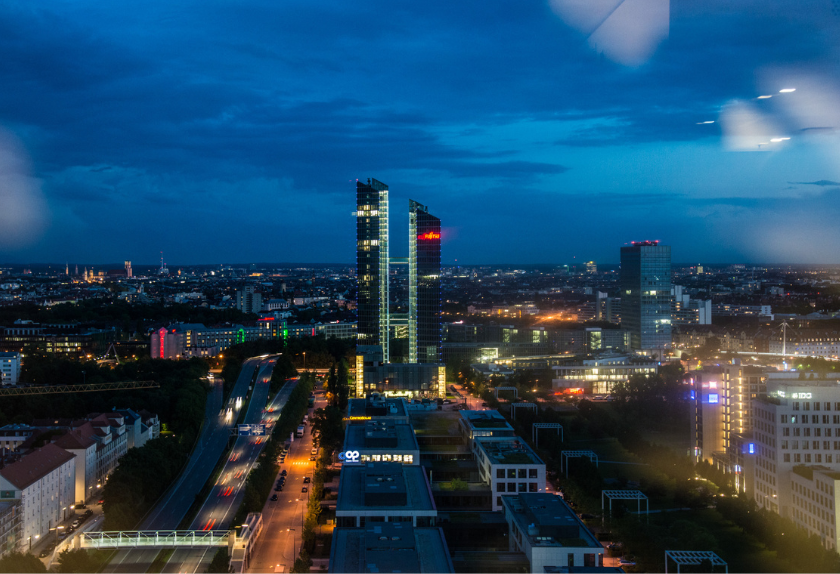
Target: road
(279,543)
(228,492)
(171,509)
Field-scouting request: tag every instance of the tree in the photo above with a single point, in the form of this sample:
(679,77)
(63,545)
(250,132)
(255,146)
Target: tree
(302,563)
(21,562)
(332,386)
(77,561)
(343,384)
(221,561)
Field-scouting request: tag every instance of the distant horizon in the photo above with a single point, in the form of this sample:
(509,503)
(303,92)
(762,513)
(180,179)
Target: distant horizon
(156,265)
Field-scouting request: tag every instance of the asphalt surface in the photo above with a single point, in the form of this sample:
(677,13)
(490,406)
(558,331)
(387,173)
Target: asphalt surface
(218,510)
(279,542)
(171,509)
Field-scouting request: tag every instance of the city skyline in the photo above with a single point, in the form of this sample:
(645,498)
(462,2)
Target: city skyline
(220,134)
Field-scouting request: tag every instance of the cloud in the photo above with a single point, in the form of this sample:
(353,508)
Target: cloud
(821,182)
(24,214)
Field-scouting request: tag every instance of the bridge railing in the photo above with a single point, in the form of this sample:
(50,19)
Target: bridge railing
(154,538)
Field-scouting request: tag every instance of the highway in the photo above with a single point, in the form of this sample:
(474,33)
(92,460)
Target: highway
(228,492)
(171,509)
(282,520)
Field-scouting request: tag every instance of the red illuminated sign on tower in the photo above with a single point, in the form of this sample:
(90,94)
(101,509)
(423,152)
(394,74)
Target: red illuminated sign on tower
(429,235)
(162,337)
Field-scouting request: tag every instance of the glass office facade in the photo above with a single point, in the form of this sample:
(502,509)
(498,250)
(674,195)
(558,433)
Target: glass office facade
(424,285)
(372,263)
(646,295)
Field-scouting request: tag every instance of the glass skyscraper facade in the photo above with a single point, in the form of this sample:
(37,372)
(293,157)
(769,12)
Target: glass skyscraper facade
(372,263)
(646,295)
(423,284)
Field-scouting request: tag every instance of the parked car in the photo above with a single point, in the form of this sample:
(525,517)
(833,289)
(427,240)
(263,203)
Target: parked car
(274,498)
(80,506)
(304,490)
(283,473)
(627,561)
(313,451)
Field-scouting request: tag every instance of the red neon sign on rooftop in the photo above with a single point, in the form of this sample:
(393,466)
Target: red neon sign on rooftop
(429,235)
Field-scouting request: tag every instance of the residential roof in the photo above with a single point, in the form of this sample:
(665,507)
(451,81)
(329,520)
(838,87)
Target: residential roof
(73,440)
(35,465)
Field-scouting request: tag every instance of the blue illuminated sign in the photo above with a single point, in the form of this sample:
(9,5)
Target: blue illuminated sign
(714,398)
(693,395)
(751,448)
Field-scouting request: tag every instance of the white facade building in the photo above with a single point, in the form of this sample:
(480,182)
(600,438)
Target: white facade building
(84,449)
(44,483)
(797,424)
(808,346)
(510,467)
(549,533)
(9,368)
(814,502)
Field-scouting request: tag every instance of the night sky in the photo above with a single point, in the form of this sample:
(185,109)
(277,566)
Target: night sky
(538,131)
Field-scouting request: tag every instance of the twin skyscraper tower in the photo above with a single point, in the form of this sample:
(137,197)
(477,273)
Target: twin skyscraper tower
(373,267)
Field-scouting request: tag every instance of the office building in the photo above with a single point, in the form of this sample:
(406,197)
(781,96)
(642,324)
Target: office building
(128,273)
(372,264)
(382,441)
(185,340)
(797,423)
(591,267)
(722,398)
(410,380)
(377,492)
(599,375)
(646,295)
(248,300)
(815,502)
(550,534)
(9,368)
(67,340)
(423,284)
(377,407)
(42,482)
(509,466)
(484,425)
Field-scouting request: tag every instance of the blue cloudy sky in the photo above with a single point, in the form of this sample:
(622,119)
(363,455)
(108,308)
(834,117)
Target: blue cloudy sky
(538,131)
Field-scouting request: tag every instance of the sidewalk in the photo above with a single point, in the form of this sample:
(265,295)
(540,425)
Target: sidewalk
(93,523)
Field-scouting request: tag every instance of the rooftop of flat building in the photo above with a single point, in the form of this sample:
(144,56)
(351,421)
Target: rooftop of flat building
(380,435)
(389,547)
(509,452)
(377,405)
(358,481)
(485,419)
(435,423)
(547,520)
(807,472)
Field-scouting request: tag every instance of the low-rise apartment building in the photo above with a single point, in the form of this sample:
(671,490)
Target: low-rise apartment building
(43,482)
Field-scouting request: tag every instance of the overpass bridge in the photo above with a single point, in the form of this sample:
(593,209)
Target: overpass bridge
(154,539)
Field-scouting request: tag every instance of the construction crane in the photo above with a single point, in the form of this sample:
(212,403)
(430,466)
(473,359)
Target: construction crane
(83,388)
